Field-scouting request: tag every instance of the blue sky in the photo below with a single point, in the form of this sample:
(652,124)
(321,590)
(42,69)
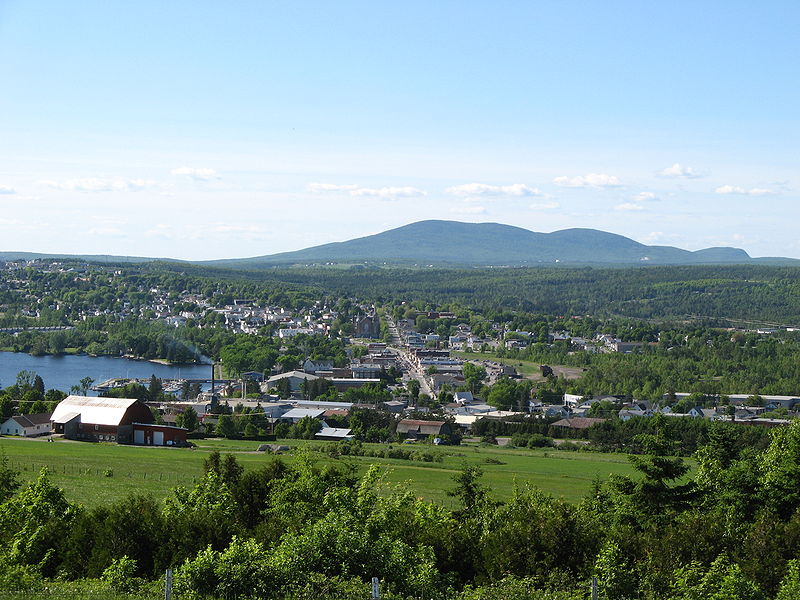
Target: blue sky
(210,130)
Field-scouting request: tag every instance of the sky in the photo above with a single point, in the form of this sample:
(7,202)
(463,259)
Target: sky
(201,130)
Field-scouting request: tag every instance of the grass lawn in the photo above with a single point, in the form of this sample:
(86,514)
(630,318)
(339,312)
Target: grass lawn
(528,368)
(80,467)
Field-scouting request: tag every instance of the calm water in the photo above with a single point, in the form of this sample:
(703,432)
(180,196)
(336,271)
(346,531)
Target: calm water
(62,372)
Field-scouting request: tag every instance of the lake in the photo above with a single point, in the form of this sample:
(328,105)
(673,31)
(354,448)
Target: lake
(62,372)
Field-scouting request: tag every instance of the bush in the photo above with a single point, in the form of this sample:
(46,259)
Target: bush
(120,575)
(537,440)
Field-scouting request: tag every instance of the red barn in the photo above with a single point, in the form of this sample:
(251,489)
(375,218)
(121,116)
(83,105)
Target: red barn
(99,419)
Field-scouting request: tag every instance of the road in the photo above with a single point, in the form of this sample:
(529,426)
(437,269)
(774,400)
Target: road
(404,358)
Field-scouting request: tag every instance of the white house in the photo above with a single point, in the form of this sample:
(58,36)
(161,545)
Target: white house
(27,425)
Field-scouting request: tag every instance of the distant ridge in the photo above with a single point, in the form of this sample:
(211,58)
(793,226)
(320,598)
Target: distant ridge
(455,243)
(494,244)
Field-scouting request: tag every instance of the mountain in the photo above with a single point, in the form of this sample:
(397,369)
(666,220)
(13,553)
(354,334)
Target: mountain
(476,244)
(453,242)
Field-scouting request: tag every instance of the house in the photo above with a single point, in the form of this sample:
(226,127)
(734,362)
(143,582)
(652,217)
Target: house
(394,406)
(27,425)
(627,414)
(703,413)
(313,366)
(413,429)
(99,419)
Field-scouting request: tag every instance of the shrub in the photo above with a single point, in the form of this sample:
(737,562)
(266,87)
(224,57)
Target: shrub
(120,575)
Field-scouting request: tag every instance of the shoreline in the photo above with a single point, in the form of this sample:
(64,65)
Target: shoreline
(159,361)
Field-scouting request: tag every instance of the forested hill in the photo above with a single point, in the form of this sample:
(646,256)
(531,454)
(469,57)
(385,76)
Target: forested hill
(455,243)
(762,294)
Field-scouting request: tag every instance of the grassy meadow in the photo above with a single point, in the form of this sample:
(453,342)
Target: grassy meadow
(528,368)
(99,473)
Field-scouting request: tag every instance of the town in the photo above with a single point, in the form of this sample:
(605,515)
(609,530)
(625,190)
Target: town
(415,367)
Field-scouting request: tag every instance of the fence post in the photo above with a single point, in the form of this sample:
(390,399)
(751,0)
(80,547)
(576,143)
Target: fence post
(376,590)
(594,588)
(168,585)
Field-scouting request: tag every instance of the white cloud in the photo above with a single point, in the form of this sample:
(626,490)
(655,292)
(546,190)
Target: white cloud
(544,206)
(628,206)
(483,189)
(645,197)
(677,170)
(388,193)
(590,180)
(93,184)
(329,187)
(734,189)
(4,189)
(195,173)
(385,193)
(470,210)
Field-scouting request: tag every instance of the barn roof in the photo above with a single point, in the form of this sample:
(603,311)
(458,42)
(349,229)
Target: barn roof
(98,411)
(578,422)
(423,427)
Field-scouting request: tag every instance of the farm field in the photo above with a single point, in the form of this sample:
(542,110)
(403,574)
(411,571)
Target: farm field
(529,369)
(81,468)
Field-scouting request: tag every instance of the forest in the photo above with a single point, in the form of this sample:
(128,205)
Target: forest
(725,293)
(728,531)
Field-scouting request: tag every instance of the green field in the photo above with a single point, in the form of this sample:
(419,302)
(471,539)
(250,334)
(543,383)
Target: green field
(528,368)
(80,467)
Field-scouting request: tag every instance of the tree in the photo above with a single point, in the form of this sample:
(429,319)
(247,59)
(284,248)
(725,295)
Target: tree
(155,390)
(188,419)
(413,388)
(780,470)
(615,573)
(83,386)
(722,581)
(474,376)
(790,585)
(38,384)
(9,479)
(25,380)
(226,427)
(468,489)
(32,522)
